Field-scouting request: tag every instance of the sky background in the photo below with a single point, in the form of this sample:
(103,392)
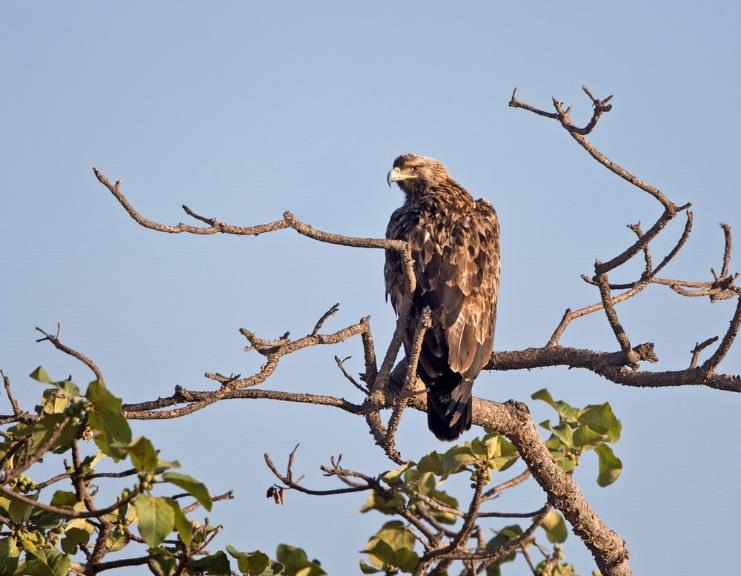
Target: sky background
(243,110)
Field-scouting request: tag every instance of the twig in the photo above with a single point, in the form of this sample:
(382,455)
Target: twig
(13,402)
(54,339)
(225,496)
(699,347)
(725,344)
(510,514)
(492,556)
(617,328)
(469,521)
(423,324)
(333,310)
(512,482)
(287,479)
(341,365)
(649,276)
(215,227)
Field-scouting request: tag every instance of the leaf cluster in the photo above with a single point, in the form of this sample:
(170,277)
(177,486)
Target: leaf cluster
(70,532)
(593,427)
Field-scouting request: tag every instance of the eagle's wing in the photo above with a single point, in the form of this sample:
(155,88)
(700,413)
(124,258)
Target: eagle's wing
(474,257)
(456,261)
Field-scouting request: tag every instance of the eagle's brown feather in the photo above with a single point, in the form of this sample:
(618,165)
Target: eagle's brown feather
(455,249)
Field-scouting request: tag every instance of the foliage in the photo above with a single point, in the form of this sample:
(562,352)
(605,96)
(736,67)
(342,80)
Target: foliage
(593,427)
(73,533)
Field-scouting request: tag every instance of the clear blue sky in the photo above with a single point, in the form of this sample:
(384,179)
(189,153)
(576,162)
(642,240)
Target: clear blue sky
(243,110)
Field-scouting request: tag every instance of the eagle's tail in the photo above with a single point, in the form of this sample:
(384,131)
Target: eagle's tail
(449,406)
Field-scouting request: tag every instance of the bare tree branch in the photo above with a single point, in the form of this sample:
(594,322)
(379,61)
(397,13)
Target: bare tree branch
(54,339)
(214,227)
(423,325)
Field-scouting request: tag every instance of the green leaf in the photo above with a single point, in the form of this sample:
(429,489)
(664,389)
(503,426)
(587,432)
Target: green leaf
(102,398)
(565,411)
(432,462)
(601,419)
(39,431)
(585,436)
(406,559)
(42,520)
(368,569)
(45,563)
(393,546)
(376,501)
(182,524)
(18,511)
(563,431)
(108,420)
(69,388)
(156,519)
(167,464)
(143,455)
(214,564)
(114,431)
(63,499)
(74,537)
(567,464)
(555,527)
(40,375)
(251,563)
(258,563)
(380,554)
(504,536)
(192,486)
(610,465)
(500,452)
(396,535)
(54,402)
(163,565)
(118,539)
(456,459)
(425,483)
(9,554)
(392,475)
(296,562)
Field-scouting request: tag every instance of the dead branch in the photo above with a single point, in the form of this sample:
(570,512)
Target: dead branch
(617,328)
(423,325)
(699,347)
(215,227)
(292,484)
(54,339)
(563,116)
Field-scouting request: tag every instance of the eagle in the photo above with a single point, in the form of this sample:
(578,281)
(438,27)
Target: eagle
(454,243)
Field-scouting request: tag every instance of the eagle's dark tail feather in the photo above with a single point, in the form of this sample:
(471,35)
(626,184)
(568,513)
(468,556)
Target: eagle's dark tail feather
(449,406)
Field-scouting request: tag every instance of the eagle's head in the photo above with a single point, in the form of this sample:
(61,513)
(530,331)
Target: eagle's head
(415,172)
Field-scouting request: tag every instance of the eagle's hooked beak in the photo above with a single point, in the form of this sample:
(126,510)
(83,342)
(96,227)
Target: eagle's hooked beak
(394,175)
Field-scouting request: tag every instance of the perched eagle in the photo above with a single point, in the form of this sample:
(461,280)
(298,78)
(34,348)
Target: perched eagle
(455,249)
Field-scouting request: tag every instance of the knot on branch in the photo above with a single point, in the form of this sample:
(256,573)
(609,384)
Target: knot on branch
(645,352)
(518,409)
